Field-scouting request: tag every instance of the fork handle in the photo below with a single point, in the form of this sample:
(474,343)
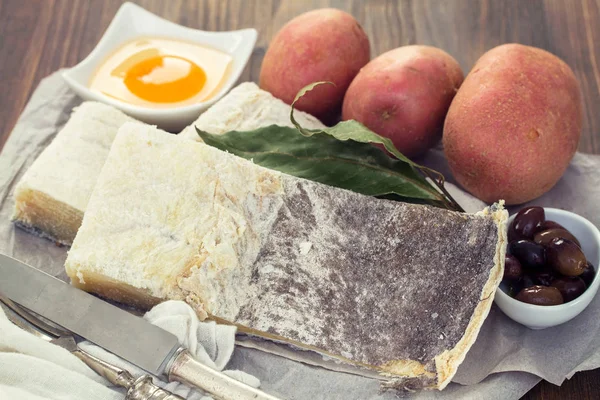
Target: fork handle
(144,389)
(141,388)
(111,373)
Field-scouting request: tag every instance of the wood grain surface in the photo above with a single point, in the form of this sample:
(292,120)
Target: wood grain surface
(37,37)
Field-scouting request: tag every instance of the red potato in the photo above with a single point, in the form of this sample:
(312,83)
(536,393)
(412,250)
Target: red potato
(320,45)
(514,125)
(404,95)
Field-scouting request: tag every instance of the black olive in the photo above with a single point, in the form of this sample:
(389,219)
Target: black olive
(512,268)
(545,237)
(544,226)
(541,296)
(525,223)
(565,257)
(571,287)
(530,254)
(544,278)
(588,274)
(514,287)
(527,281)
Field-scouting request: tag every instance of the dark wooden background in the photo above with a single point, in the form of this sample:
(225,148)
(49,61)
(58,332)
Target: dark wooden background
(37,37)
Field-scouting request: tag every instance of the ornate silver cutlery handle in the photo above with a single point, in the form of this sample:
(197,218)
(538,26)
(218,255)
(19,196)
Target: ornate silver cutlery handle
(141,388)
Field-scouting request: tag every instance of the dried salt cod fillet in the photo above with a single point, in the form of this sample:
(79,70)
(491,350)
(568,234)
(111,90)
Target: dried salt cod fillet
(399,288)
(52,195)
(247,108)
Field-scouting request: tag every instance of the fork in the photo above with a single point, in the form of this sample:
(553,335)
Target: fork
(141,388)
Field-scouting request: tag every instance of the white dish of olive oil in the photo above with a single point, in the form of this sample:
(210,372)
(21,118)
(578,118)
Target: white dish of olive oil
(160,72)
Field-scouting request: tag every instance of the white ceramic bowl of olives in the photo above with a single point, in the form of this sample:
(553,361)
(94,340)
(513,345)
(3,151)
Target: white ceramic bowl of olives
(546,280)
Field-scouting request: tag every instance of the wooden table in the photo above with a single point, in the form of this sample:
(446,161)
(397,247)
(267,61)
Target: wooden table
(38,37)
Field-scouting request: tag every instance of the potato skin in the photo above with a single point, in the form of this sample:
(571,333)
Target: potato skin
(404,95)
(514,125)
(320,45)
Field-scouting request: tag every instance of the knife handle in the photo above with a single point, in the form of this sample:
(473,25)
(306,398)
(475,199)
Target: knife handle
(184,368)
(144,389)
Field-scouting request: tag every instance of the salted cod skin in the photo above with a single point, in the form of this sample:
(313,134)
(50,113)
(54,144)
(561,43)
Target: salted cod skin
(52,195)
(400,288)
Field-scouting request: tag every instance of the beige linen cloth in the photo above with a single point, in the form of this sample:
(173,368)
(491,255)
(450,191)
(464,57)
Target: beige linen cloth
(33,369)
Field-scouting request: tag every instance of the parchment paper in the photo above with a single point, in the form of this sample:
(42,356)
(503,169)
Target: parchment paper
(505,362)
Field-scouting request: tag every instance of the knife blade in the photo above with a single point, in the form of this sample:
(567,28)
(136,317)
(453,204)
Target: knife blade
(116,330)
(121,333)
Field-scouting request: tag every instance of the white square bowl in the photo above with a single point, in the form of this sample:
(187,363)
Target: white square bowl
(131,22)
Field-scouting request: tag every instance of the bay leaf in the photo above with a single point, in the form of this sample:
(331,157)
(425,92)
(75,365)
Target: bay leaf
(343,156)
(351,165)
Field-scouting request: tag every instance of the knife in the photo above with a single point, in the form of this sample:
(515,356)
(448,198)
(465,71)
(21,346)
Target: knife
(130,337)
(141,388)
